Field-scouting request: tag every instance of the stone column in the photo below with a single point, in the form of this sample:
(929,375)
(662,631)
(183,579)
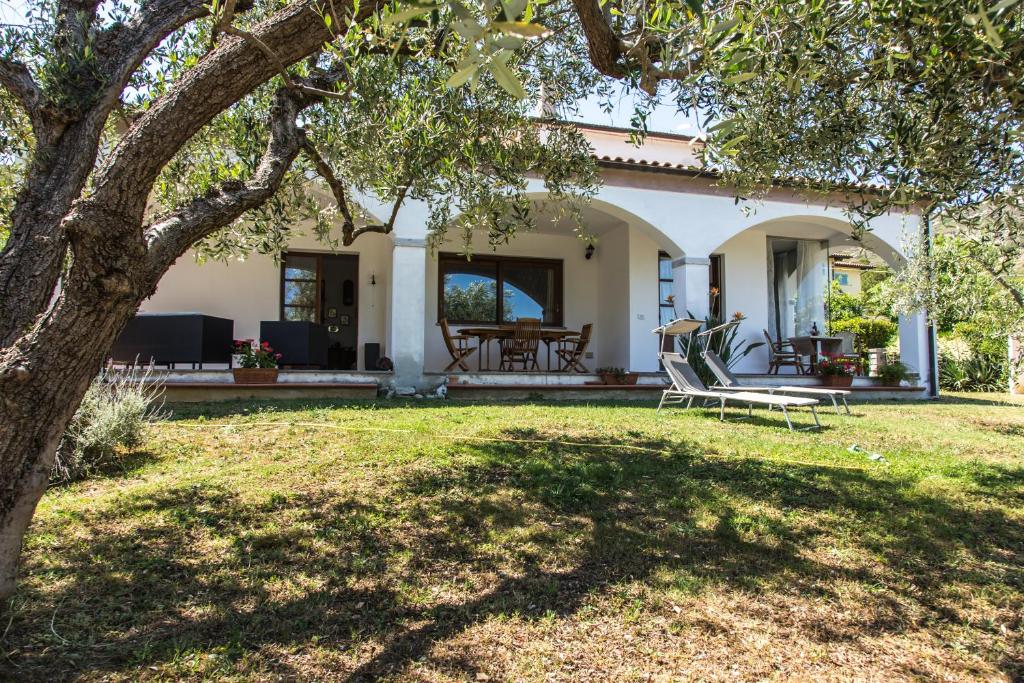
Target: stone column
(407,310)
(913,333)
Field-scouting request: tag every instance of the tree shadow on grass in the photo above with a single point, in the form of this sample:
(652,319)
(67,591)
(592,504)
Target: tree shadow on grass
(373,580)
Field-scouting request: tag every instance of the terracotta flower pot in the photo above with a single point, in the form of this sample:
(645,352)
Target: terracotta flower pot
(255,375)
(837,380)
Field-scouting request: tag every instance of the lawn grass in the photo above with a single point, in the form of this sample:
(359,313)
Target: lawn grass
(448,541)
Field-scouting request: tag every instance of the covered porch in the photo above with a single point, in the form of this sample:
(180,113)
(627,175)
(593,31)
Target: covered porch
(641,261)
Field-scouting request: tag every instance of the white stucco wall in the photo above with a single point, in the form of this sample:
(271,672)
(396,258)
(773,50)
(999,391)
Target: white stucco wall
(249,291)
(643,302)
(745,290)
(613,321)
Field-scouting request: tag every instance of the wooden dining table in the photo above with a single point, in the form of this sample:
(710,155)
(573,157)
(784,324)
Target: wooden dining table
(485,335)
(819,345)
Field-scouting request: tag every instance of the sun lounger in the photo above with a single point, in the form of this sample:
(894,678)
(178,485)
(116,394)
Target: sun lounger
(729,382)
(686,387)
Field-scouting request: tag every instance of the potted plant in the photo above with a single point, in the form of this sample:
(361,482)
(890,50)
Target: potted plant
(835,371)
(892,374)
(613,375)
(257,364)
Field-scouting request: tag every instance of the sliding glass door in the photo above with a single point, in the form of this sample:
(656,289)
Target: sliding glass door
(797,284)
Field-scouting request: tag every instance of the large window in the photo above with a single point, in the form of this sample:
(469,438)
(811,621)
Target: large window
(797,279)
(496,289)
(300,287)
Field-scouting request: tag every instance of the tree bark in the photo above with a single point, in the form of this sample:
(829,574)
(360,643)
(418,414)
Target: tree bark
(31,260)
(44,375)
(46,372)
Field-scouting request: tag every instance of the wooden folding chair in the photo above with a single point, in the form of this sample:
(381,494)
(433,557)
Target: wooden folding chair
(457,345)
(779,356)
(571,349)
(521,346)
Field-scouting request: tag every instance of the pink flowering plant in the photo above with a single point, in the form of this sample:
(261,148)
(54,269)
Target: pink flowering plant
(253,355)
(835,366)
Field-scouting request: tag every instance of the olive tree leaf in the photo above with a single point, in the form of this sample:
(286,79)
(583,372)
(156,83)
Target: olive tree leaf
(507,80)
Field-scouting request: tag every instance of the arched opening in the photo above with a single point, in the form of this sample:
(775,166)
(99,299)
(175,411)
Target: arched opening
(779,274)
(605,276)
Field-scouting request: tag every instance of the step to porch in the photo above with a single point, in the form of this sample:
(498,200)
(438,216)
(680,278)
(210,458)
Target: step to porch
(194,386)
(563,392)
(198,392)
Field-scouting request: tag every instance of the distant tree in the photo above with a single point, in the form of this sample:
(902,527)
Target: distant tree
(841,305)
(970,282)
(477,301)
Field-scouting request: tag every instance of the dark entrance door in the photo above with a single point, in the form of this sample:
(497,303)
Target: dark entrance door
(324,288)
(340,309)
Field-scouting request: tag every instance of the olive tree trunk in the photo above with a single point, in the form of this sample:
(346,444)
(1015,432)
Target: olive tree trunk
(51,347)
(51,370)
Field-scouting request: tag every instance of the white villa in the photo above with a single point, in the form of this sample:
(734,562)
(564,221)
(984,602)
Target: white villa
(662,228)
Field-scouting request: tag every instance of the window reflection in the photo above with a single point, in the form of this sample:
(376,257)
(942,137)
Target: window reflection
(493,290)
(470,292)
(529,292)
(300,293)
(299,267)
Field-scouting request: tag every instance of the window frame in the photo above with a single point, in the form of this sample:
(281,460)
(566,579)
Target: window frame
(716,278)
(500,263)
(318,299)
(662,304)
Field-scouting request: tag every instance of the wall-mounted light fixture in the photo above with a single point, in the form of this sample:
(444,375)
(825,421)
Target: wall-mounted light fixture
(373,278)
(589,251)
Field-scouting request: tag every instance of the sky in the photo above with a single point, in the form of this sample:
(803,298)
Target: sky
(12,12)
(664,119)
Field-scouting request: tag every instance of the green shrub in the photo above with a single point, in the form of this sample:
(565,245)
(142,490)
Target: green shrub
(971,358)
(110,420)
(843,306)
(981,339)
(872,333)
(726,343)
(974,373)
(893,373)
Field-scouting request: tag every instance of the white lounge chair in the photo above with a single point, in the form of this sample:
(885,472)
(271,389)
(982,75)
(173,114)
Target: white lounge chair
(686,386)
(729,382)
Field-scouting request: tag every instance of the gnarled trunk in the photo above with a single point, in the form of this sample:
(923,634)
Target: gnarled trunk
(47,371)
(31,260)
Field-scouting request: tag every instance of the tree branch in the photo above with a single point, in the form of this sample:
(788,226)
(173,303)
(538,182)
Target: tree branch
(16,79)
(1000,278)
(606,48)
(279,65)
(226,74)
(173,235)
(124,47)
(349,231)
(613,56)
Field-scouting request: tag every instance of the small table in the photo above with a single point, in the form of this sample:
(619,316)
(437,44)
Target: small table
(485,335)
(819,345)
